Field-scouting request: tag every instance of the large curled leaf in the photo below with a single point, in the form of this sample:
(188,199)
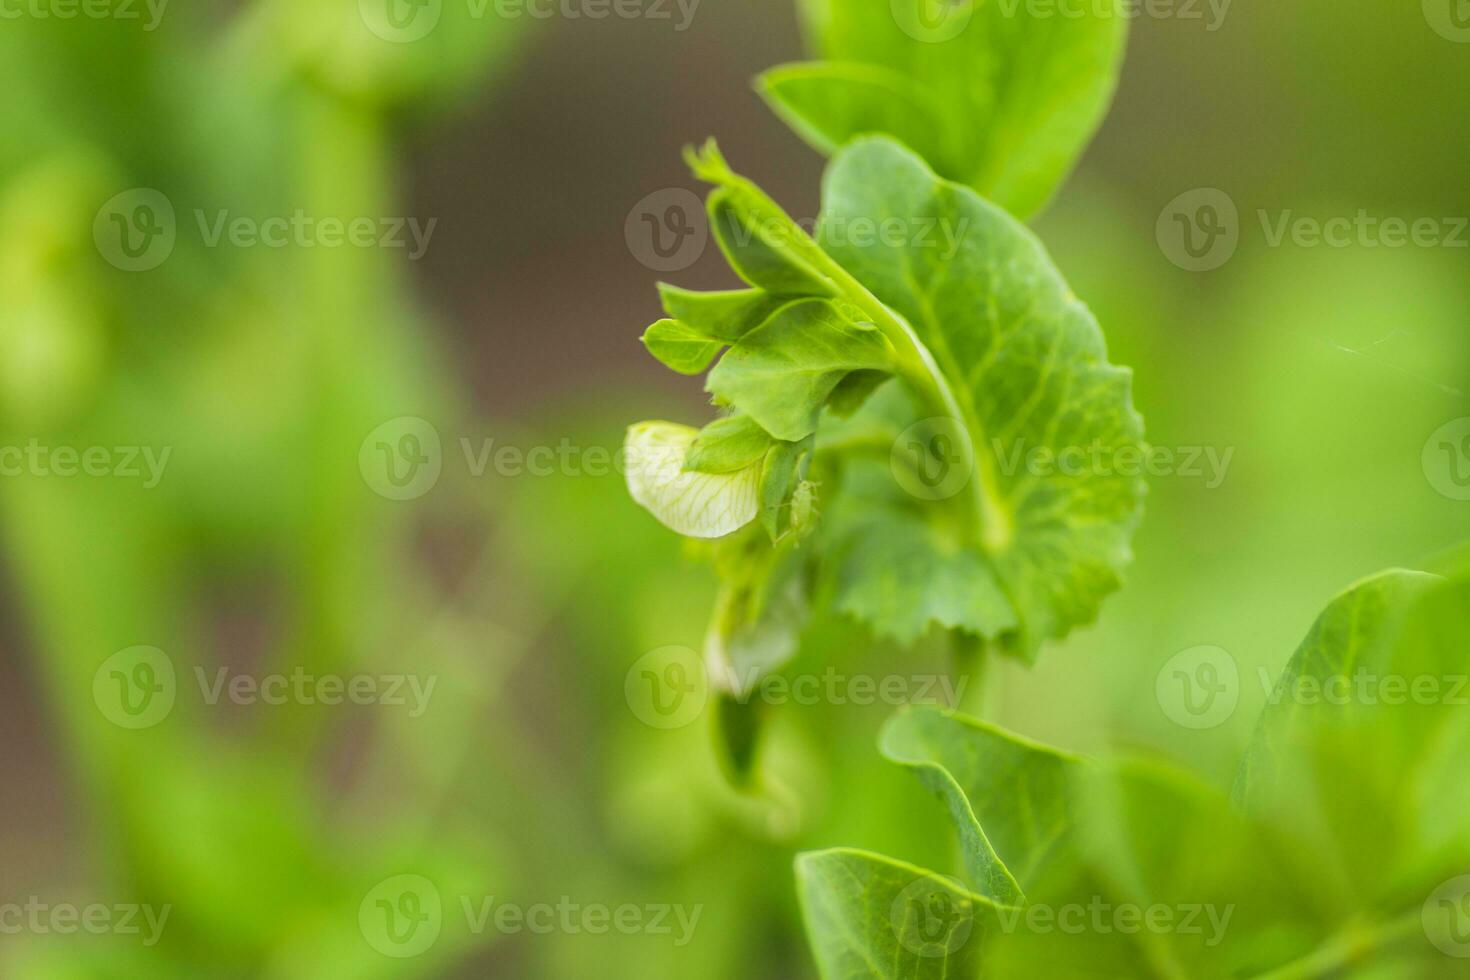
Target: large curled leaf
(1363,744)
(915,278)
(1010,799)
(1001,95)
(1048,422)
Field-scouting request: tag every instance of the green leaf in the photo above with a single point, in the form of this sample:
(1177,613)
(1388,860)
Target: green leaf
(830,103)
(679,347)
(725,315)
(900,574)
(1010,799)
(761,242)
(1360,748)
(1025,367)
(728,444)
(699,505)
(1002,96)
(783,372)
(1359,633)
(960,302)
(873,918)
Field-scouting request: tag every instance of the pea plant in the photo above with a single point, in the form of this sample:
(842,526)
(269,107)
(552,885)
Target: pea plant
(871,381)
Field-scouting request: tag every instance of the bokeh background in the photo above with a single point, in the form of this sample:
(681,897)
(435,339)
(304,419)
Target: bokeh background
(267,545)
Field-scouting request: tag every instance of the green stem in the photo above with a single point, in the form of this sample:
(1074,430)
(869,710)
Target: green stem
(987,518)
(970,667)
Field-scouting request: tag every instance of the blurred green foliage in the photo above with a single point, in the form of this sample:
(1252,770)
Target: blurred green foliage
(530,779)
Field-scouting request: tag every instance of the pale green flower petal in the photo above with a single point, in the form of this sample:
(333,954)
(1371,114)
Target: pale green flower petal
(698,505)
